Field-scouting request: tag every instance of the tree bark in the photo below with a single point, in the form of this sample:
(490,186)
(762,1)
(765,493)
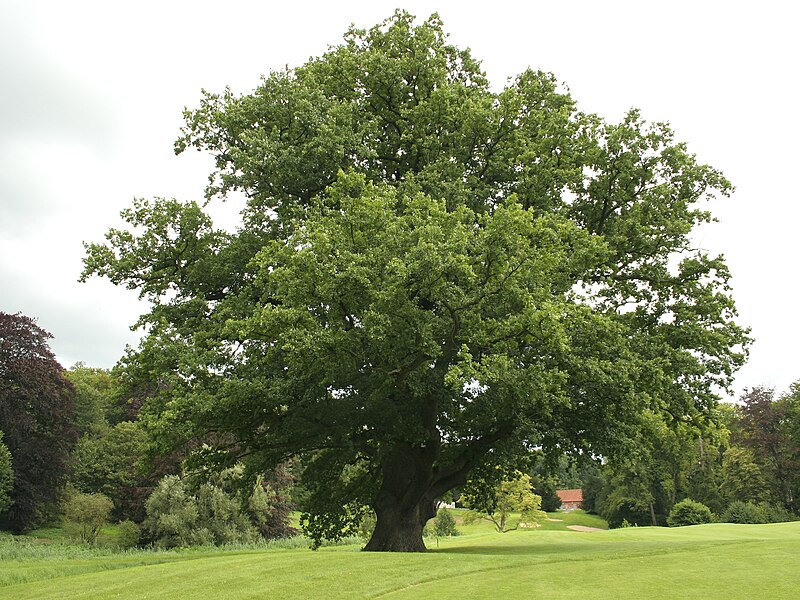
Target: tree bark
(404,503)
(399,529)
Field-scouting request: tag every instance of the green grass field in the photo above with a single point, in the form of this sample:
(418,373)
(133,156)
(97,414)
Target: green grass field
(706,561)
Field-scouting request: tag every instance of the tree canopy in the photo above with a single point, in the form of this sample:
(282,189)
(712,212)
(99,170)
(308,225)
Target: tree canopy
(36,418)
(768,428)
(430,277)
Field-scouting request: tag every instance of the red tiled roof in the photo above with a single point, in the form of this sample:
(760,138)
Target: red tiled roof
(570,495)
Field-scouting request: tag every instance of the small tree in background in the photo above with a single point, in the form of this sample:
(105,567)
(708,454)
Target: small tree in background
(86,514)
(95,397)
(444,525)
(221,514)
(592,490)
(511,496)
(689,512)
(546,487)
(270,504)
(108,462)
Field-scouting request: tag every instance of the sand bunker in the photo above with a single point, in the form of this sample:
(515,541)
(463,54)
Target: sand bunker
(583,528)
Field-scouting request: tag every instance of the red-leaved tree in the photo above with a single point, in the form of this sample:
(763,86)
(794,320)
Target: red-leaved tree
(36,418)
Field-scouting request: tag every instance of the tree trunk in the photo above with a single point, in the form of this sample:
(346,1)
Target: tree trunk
(411,485)
(404,503)
(400,530)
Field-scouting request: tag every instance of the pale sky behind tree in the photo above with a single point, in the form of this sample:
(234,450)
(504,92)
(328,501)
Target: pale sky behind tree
(91,95)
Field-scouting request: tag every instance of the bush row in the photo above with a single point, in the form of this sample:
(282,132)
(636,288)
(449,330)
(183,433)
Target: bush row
(689,512)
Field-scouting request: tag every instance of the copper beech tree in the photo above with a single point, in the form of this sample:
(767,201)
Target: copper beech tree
(36,420)
(430,277)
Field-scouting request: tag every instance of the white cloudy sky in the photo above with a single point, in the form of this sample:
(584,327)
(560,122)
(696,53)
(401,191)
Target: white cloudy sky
(91,94)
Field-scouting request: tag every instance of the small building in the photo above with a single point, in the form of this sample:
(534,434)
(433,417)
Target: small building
(570,499)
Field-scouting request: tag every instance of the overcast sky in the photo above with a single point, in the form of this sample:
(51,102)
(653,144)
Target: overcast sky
(91,95)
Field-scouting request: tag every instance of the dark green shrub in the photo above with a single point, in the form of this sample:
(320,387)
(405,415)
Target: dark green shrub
(618,506)
(688,512)
(776,513)
(744,512)
(128,534)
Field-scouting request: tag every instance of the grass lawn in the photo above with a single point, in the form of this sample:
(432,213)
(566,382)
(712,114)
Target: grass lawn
(705,561)
(560,521)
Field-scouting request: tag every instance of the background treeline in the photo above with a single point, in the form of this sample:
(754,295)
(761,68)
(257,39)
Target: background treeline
(173,505)
(743,464)
(76,449)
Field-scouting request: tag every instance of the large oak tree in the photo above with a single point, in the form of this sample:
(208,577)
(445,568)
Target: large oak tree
(430,277)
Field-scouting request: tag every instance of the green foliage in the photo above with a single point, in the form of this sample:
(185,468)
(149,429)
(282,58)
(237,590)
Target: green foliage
(777,513)
(592,490)
(689,512)
(96,392)
(220,510)
(222,516)
(108,462)
(128,534)
(6,476)
(671,460)
(85,514)
(742,477)
(444,525)
(626,501)
(545,488)
(768,428)
(172,516)
(36,418)
(270,503)
(367,525)
(757,512)
(511,496)
(744,512)
(430,277)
